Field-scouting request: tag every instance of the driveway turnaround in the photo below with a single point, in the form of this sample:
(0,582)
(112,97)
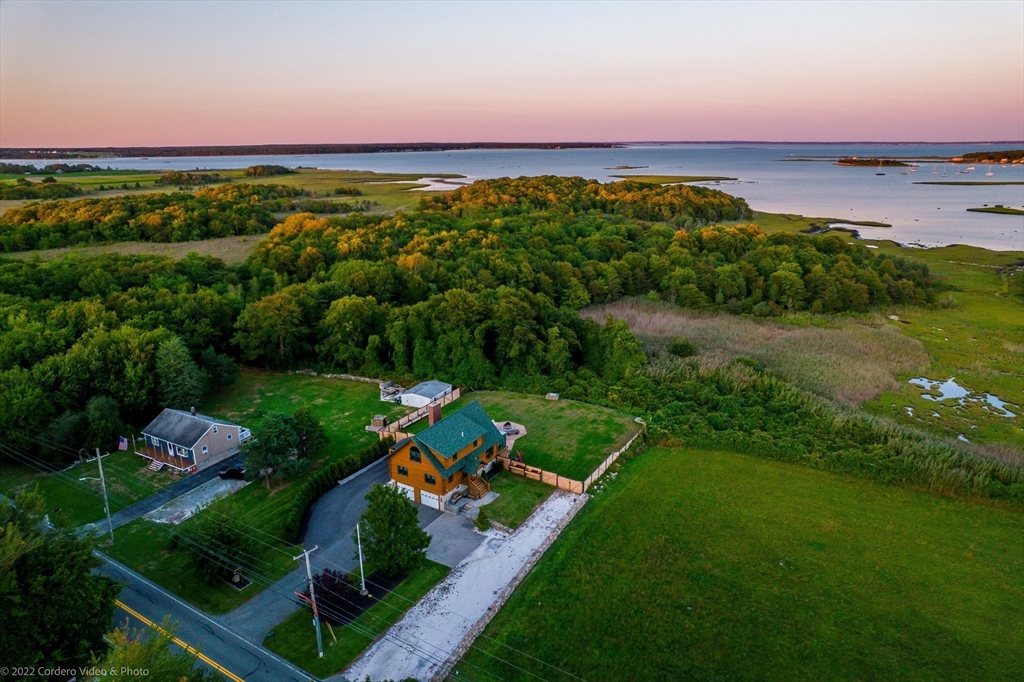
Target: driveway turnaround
(331,523)
(434,634)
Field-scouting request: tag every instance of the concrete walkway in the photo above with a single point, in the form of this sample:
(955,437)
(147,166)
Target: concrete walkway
(435,633)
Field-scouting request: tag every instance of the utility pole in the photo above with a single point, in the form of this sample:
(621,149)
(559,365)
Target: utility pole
(312,596)
(362,577)
(106,503)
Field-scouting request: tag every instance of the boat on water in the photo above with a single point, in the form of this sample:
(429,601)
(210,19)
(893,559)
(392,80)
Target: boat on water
(879,169)
(989,174)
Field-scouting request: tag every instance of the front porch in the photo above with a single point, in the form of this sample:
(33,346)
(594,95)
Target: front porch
(179,465)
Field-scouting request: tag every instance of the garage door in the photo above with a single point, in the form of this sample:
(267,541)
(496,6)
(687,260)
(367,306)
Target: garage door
(430,500)
(409,491)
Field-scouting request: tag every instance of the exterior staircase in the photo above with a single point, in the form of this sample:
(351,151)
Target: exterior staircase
(478,487)
(155,465)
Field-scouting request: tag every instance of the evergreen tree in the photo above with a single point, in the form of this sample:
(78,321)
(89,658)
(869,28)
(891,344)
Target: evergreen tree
(180,383)
(393,541)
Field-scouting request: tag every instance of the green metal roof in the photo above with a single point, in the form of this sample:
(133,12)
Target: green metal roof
(453,433)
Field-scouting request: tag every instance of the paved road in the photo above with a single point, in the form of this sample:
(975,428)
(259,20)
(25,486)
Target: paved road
(160,498)
(332,521)
(228,649)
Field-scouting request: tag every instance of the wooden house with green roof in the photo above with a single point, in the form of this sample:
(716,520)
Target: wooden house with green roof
(447,458)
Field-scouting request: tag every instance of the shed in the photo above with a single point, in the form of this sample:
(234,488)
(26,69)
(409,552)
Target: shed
(423,394)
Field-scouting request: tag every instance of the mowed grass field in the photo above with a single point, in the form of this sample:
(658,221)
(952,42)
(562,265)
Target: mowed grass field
(720,566)
(73,502)
(294,637)
(517,498)
(566,437)
(345,407)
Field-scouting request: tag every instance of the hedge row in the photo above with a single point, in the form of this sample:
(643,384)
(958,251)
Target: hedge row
(325,479)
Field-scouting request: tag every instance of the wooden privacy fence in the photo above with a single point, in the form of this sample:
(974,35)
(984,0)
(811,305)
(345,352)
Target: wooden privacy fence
(536,474)
(394,428)
(572,485)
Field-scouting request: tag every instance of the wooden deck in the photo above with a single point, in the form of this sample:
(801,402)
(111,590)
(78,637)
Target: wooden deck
(180,465)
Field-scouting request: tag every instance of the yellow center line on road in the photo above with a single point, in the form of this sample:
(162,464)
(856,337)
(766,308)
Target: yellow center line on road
(202,657)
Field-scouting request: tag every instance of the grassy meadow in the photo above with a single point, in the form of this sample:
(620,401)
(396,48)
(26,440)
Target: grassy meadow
(714,565)
(390,191)
(293,638)
(567,437)
(974,335)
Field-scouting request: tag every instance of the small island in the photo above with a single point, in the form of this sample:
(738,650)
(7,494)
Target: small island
(1004,156)
(857,161)
(998,208)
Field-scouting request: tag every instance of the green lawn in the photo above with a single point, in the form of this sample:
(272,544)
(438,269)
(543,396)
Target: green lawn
(711,565)
(345,407)
(80,502)
(146,547)
(567,437)
(518,497)
(294,638)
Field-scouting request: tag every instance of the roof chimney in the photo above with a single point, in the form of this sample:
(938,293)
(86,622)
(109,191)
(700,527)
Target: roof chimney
(434,413)
(193,410)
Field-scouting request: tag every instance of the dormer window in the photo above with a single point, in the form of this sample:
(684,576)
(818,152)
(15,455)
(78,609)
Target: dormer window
(414,454)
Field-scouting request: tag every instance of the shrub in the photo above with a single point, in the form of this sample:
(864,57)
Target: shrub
(682,348)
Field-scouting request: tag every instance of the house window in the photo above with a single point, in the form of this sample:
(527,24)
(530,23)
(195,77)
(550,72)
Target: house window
(229,436)
(403,471)
(451,478)
(414,454)
(429,478)
(206,450)
(215,429)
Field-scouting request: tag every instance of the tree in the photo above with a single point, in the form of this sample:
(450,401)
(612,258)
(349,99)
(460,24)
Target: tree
(393,541)
(274,448)
(216,546)
(271,329)
(103,416)
(54,607)
(180,383)
(334,596)
(219,370)
(136,658)
(310,433)
(349,322)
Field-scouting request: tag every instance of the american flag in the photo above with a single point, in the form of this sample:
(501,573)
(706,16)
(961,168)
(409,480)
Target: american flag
(122,443)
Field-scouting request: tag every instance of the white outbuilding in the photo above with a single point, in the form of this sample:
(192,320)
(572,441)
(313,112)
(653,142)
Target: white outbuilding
(424,393)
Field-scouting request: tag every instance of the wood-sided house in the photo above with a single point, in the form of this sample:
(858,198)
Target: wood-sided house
(448,457)
(189,441)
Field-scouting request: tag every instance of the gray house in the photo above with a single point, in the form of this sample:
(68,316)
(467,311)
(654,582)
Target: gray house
(189,441)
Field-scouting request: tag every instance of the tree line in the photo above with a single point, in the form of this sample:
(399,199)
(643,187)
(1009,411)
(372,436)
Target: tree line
(478,292)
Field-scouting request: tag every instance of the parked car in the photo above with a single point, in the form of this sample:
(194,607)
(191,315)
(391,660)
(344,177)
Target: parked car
(235,472)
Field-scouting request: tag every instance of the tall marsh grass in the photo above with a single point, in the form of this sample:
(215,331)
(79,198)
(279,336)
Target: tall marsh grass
(849,360)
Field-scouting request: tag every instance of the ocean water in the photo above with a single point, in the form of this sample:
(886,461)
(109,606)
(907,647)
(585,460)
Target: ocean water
(769,176)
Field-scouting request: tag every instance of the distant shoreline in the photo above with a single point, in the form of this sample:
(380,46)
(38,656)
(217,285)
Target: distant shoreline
(54,153)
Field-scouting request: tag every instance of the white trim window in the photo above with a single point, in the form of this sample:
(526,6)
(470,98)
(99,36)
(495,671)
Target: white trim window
(206,450)
(229,436)
(215,429)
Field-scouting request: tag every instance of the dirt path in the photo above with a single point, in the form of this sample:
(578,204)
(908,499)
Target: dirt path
(434,633)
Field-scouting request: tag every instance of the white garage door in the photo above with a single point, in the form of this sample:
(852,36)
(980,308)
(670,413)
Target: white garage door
(430,500)
(409,491)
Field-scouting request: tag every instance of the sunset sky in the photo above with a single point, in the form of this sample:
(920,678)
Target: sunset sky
(151,73)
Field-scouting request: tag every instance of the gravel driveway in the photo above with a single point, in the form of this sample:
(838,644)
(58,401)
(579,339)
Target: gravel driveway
(434,633)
